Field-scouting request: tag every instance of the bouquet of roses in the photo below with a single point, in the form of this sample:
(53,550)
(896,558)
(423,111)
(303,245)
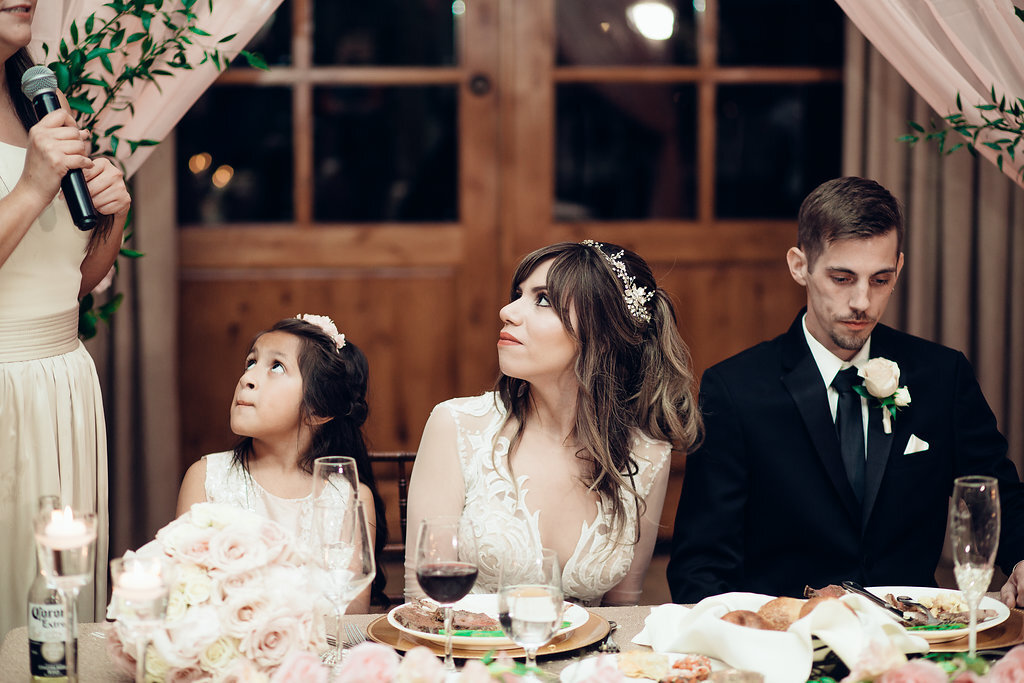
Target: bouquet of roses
(240,608)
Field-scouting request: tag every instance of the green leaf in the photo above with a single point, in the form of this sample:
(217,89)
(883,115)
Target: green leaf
(74,32)
(108,309)
(81,104)
(984,107)
(955,147)
(907,138)
(131,253)
(61,71)
(227,39)
(114,141)
(916,126)
(992,145)
(105,60)
(958,104)
(136,37)
(999,162)
(116,39)
(198,31)
(90,22)
(255,60)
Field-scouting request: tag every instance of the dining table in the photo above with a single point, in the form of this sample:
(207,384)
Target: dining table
(94,666)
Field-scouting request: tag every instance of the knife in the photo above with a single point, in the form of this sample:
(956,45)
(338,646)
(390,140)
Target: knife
(853,587)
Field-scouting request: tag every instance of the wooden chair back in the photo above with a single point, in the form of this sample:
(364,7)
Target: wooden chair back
(400,464)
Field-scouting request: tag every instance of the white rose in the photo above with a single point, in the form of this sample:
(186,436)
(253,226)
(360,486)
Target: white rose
(156,665)
(881,377)
(196,588)
(219,654)
(176,604)
(902,397)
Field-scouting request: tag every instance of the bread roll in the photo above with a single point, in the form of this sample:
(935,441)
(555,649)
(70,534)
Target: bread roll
(744,617)
(780,613)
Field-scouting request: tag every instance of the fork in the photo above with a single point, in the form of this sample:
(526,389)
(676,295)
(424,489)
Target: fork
(353,635)
(609,646)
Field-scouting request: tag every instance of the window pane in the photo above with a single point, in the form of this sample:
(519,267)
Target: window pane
(385,154)
(775,143)
(386,32)
(780,33)
(273,41)
(619,32)
(625,151)
(233,167)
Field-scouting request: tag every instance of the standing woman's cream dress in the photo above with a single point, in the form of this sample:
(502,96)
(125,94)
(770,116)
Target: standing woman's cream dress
(52,434)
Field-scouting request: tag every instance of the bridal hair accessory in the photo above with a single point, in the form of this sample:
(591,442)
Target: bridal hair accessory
(636,297)
(325,324)
(882,382)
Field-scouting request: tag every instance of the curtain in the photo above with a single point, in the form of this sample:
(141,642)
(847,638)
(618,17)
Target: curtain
(963,283)
(135,356)
(946,47)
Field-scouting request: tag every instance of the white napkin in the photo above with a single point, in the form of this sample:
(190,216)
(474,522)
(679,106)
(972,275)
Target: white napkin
(782,656)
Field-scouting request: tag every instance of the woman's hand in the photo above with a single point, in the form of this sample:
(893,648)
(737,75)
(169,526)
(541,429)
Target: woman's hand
(106,185)
(55,146)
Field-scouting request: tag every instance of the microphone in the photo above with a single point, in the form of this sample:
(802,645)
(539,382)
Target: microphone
(40,85)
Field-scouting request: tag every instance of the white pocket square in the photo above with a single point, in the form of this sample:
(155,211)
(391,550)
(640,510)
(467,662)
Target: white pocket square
(915,445)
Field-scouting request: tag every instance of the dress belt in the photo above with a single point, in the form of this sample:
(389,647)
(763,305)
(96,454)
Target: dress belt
(35,338)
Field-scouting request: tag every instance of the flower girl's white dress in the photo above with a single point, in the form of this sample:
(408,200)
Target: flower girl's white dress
(505,529)
(228,482)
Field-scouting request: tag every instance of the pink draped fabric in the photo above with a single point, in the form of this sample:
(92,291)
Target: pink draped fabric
(157,111)
(945,47)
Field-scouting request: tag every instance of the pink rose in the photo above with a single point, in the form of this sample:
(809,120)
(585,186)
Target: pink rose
(275,538)
(268,643)
(420,665)
(369,663)
(116,651)
(235,549)
(241,612)
(300,667)
(1009,669)
(915,671)
(235,582)
(475,672)
(195,548)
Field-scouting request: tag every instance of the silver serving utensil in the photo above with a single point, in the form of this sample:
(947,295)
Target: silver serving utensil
(906,617)
(930,619)
(608,645)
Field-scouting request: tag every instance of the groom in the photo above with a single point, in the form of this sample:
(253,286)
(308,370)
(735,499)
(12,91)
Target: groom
(798,481)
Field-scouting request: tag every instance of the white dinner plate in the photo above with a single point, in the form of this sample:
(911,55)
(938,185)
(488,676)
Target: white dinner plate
(918,592)
(487,603)
(581,670)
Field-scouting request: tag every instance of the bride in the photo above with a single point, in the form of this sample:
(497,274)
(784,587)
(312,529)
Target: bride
(571,452)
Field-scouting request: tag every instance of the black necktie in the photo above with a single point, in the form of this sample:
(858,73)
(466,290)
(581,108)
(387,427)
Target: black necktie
(850,428)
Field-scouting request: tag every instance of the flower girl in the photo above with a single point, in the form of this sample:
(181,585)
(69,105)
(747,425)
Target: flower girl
(301,396)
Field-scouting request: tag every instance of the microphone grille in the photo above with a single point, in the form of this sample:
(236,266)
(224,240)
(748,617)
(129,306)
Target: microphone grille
(38,79)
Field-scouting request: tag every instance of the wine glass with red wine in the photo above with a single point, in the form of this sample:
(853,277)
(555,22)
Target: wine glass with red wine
(446,567)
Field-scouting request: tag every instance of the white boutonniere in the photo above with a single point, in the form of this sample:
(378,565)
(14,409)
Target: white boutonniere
(882,382)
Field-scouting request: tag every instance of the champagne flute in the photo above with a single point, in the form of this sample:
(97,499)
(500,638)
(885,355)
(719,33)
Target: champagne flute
(66,547)
(140,589)
(345,559)
(974,532)
(446,568)
(530,603)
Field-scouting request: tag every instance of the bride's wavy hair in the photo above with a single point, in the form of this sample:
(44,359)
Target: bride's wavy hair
(333,386)
(631,374)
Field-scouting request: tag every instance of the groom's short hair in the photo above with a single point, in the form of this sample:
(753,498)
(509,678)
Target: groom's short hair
(846,208)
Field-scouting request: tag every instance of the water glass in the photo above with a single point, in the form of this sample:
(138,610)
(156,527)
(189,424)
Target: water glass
(530,603)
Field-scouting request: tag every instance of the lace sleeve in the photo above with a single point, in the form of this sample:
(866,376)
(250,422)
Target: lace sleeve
(651,483)
(436,486)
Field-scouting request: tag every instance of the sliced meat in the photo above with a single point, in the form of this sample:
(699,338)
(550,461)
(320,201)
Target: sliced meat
(830,591)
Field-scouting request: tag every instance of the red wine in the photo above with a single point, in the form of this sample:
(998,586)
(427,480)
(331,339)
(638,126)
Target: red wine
(446,582)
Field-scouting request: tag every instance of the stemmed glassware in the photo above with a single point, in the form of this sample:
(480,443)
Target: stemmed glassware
(335,480)
(66,546)
(530,603)
(140,589)
(974,532)
(446,567)
(345,557)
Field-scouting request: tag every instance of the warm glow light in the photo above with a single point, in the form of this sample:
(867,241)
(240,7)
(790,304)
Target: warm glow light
(200,162)
(605,26)
(222,176)
(458,8)
(652,19)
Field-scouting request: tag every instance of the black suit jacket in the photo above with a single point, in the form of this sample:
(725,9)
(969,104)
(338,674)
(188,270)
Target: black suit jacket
(766,505)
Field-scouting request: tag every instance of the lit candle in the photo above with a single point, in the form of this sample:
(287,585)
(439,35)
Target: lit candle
(64,532)
(138,585)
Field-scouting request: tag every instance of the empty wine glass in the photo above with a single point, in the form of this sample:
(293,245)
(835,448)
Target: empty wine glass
(530,603)
(446,567)
(974,533)
(140,589)
(335,480)
(66,546)
(344,557)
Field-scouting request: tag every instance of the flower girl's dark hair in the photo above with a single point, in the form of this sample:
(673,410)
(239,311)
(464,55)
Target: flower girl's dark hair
(334,384)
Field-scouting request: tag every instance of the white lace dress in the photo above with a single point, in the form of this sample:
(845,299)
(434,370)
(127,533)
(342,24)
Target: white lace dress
(228,482)
(506,529)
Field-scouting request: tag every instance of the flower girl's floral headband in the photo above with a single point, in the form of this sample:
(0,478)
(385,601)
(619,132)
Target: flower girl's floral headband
(325,324)
(636,297)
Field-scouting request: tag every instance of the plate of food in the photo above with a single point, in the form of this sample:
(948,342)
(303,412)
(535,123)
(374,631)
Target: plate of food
(474,623)
(643,665)
(948,606)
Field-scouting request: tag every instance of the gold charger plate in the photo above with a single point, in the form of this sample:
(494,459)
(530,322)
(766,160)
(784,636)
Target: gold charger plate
(1006,634)
(595,628)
